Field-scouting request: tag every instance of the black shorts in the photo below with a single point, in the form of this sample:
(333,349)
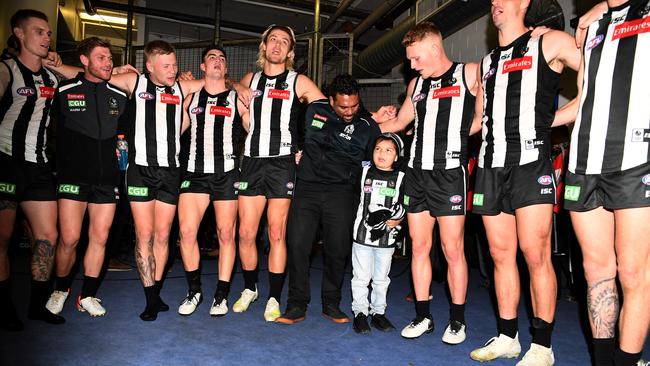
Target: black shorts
(613,191)
(25,181)
(441,192)
(269,177)
(90,193)
(220,186)
(509,188)
(144,183)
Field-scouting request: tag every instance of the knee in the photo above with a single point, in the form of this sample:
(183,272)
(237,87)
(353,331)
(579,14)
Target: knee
(69,239)
(226,236)
(536,258)
(187,233)
(597,269)
(503,256)
(632,277)
(421,249)
(454,252)
(144,236)
(247,236)
(161,238)
(277,233)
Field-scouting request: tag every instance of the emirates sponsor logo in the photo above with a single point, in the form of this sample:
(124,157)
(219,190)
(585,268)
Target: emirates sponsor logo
(197,110)
(76,96)
(25,91)
(320,117)
(170,99)
(47,92)
(278,94)
(146,96)
(448,92)
(220,111)
(518,64)
(631,28)
(594,42)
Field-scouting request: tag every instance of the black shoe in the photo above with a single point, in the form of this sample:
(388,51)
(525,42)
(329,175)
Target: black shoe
(150,312)
(162,307)
(360,324)
(380,322)
(292,315)
(45,315)
(334,313)
(9,319)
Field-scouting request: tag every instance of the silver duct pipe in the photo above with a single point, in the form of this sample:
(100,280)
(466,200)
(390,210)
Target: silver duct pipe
(343,6)
(379,12)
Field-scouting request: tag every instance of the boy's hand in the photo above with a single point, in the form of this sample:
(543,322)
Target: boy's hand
(392,223)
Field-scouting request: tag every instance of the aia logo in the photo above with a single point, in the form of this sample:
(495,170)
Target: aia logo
(146,96)
(594,42)
(545,180)
(419,97)
(646,179)
(25,91)
(489,74)
(456,199)
(197,110)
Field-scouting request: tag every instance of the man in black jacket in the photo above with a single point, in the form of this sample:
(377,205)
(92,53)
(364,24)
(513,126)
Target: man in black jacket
(89,108)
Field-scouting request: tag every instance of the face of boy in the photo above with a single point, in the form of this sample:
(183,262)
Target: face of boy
(384,155)
(163,69)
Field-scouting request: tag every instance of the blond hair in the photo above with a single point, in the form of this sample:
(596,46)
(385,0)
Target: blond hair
(419,32)
(261,57)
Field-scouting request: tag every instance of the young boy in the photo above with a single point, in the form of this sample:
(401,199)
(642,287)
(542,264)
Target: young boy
(375,229)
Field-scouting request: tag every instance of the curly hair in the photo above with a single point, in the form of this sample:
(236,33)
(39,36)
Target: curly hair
(344,84)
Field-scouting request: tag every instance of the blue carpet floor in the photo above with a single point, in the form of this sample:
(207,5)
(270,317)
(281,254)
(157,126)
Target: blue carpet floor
(121,338)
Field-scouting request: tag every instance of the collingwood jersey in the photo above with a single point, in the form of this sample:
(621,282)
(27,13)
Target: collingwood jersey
(377,187)
(273,115)
(612,130)
(154,138)
(25,111)
(444,108)
(215,128)
(519,90)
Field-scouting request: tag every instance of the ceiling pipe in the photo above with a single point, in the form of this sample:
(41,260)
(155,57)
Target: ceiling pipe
(375,16)
(343,6)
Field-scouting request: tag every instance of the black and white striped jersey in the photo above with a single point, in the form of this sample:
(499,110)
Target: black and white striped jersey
(378,187)
(519,90)
(154,137)
(444,107)
(612,130)
(25,111)
(215,129)
(273,114)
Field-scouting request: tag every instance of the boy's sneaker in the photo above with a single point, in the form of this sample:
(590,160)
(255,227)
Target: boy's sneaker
(92,305)
(247,297)
(272,310)
(381,322)
(454,333)
(190,303)
(418,327)
(219,306)
(498,347)
(56,301)
(537,356)
(360,324)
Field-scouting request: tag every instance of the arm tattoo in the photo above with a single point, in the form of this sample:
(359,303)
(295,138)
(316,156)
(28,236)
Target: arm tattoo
(42,260)
(7,205)
(146,266)
(603,306)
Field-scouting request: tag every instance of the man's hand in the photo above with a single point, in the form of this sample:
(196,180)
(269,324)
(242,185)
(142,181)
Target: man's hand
(585,21)
(185,76)
(52,60)
(245,95)
(125,69)
(539,31)
(385,113)
(298,156)
(392,223)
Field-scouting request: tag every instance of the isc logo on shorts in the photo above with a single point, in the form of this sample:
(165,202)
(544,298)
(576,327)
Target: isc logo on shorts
(68,188)
(138,191)
(7,188)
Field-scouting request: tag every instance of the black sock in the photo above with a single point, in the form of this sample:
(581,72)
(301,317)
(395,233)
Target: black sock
(158,286)
(604,351)
(250,279)
(89,287)
(542,331)
(622,358)
(508,327)
(151,294)
(5,291)
(276,281)
(40,292)
(457,313)
(223,289)
(63,283)
(422,309)
(194,280)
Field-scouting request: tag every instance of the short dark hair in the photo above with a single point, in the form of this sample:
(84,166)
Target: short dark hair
(210,48)
(87,45)
(343,84)
(157,47)
(20,17)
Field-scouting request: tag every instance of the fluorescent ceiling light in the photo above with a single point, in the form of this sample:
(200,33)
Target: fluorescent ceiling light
(103,18)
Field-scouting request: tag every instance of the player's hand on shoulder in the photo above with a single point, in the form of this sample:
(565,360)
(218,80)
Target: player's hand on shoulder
(593,15)
(185,76)
(53,59)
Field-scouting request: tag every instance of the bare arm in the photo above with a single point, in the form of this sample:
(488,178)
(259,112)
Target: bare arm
(186,117)
(560,50)
(4,78)
(307,91)
(568,112)
(477,121)
(405,115)
(244,93)
(191,86)
(244,114)
(124,82)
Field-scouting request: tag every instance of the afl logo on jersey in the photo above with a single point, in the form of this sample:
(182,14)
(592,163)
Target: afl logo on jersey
(257,93)
(646,179)
(456,198)
(595,42)
(25,91)
(545,180)
(197,110)
(419,97)
(489,74)
(146,96)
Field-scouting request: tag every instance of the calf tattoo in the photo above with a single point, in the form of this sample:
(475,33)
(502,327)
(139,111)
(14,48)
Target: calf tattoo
(603,306)
(42,260)
(146,265)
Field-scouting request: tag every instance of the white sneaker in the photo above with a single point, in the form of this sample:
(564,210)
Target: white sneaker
(498,347)
(219,307)
(418,327)
(454,333)
(537,356)
(643,363)
(92,305)
(272,310)
(247,297)
(190,303)
(55,302)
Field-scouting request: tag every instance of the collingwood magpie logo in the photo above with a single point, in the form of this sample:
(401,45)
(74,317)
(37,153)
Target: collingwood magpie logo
(349,129)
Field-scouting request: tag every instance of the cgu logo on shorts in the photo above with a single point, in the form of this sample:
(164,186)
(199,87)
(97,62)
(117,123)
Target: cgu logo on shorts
(68,188)
(138,191)
(572,193)
(242,186)
(7,188)
(478,199)
(185,184)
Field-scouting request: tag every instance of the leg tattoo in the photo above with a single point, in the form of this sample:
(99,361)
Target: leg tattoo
(42,260)
(603,306)
(146,266)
